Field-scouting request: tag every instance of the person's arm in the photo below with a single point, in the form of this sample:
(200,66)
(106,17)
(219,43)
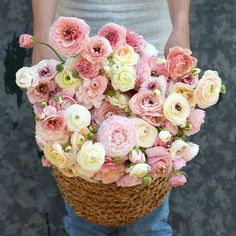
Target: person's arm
(179,14)
(43,16)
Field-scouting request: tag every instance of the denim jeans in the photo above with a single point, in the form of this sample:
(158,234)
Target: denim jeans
(154,224)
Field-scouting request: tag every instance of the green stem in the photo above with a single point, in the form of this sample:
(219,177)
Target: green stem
(38,42)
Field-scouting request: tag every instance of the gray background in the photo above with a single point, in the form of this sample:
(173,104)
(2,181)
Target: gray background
(29,201)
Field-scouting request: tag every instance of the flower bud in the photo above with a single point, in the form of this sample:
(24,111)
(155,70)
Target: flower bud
(165,136)
(139,170)
(146,180)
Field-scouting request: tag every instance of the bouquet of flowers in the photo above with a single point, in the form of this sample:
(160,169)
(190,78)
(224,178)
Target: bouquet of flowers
(110,110)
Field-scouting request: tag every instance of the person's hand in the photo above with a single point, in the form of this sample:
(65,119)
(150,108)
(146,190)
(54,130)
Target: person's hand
(41,52)
(178,37)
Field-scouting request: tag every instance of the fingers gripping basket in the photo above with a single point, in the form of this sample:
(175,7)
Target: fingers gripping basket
(109,204)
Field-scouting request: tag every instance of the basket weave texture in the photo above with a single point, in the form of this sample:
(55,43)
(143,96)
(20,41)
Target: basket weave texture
(108,204)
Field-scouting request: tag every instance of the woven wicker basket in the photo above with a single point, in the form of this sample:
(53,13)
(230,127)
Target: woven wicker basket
(109,204)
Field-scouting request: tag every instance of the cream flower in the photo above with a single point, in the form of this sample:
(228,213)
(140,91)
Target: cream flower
(26,77)
(76,171)
(185,90)
(91,156)
(208,89)
(79,137)
(176,109)
(165,136)
(139,170)
(124,78)
(178,149)
(77,117)
(125,56)
(58,157)
(146,133)
(65,80)
(119,99)
(192,151)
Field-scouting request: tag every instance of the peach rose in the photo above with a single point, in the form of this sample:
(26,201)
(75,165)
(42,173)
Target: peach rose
(208,89)
(26,41)
(109,172)
(128,181)
(180,62)
(69,35)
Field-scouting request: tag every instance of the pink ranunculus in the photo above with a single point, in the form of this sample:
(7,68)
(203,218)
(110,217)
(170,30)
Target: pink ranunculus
(26,41)
(196,119)
(179,163)
(41,91)
(69,35)
(97,49)
(191,80)
(153,83)
(46,69)
(157,69)
(86,68)
(115,34)
(118,136)
(137,156)
(106,110)
(63,99)
(173,129)
(91,92)
(135,40)
(177,180)
(143,71)
(49,111)
(154,120)
(160,161)
(180,62)
(53,128)
(128,181)
(147,103)
(109,172)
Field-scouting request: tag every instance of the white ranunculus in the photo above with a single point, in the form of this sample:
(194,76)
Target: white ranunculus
(176,109)
(165,136)
(192,151)
(26,78)
(91,156)
(150,50)
(146,133)
(119,99)
(139,170)
(77,117)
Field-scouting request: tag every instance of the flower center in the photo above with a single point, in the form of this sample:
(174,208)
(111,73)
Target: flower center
(178,107)
(70,34)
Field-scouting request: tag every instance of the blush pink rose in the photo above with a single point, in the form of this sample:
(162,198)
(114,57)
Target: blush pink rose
(180,62)
(147,103)
(153,83)
(160,161)
(86,68)
(91,92)
(97,49)
(26,41)
(46,69)
(69,35)
(177,180)
(135,40)
(143,71)
(196,119)
(109,172)
(41,91)
(115,34)
(106,110)
(128,181)
(118,136)
(63,99)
